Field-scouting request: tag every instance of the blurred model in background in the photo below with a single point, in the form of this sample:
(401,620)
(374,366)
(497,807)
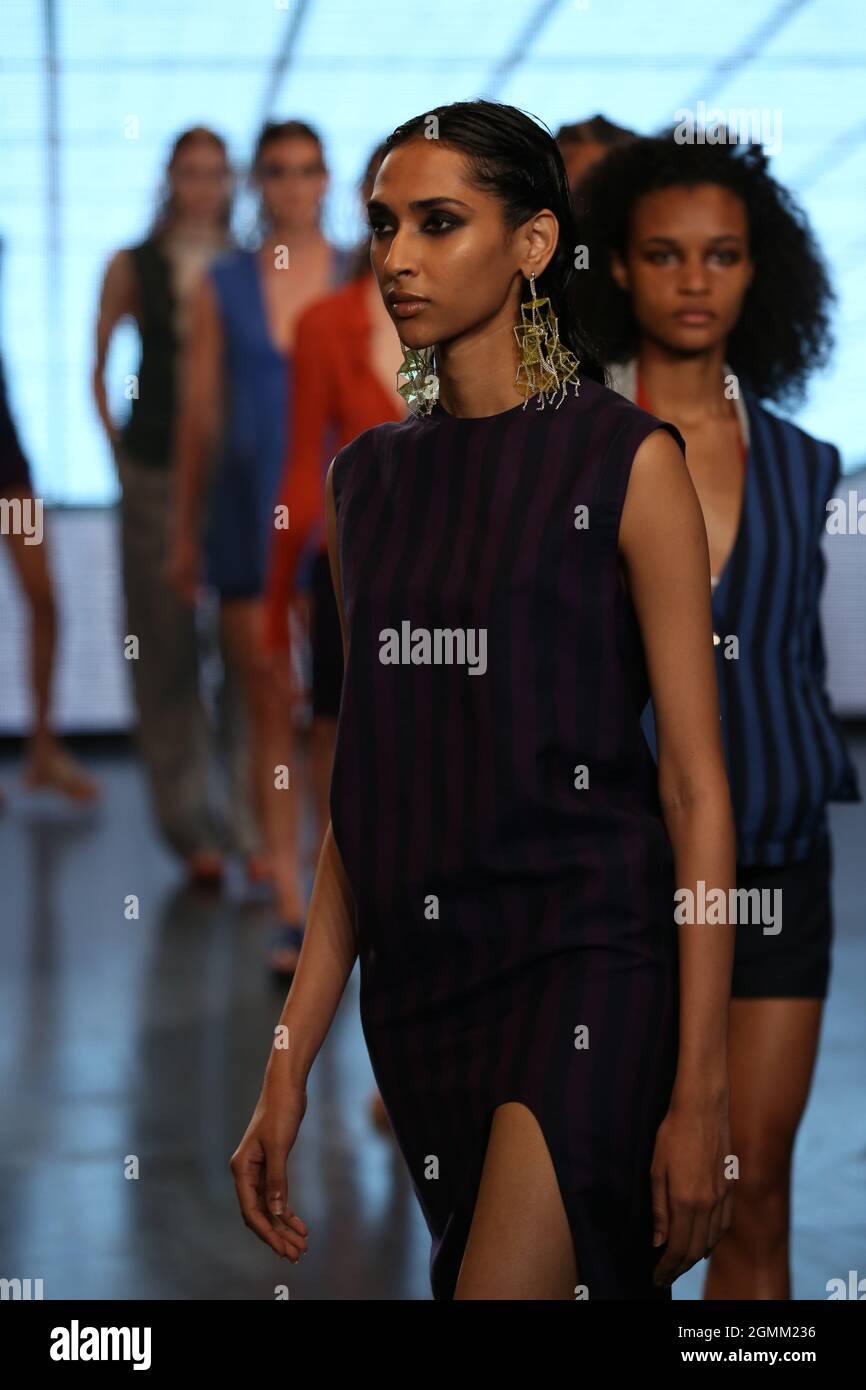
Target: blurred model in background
(712,297)
(347,355)
(153,284)
(231,451)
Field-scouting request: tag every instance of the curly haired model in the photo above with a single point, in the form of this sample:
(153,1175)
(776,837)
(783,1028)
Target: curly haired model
(713,294)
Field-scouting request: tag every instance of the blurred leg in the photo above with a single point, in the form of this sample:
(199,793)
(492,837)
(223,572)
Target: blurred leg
(173,728)
(245,830)
(49,765)
(271,748)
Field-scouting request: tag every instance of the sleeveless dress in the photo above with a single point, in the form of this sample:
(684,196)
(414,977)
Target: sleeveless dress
(258,402)
(161,267)
(515,915)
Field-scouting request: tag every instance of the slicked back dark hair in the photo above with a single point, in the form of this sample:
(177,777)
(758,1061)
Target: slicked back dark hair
(783,333)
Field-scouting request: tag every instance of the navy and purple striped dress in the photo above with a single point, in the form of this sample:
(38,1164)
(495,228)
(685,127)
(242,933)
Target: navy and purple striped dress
(496,808)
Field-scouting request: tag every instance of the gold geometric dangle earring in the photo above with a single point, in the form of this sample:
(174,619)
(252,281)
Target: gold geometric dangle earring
(546,364)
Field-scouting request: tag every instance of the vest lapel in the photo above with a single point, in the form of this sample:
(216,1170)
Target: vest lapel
(737,576)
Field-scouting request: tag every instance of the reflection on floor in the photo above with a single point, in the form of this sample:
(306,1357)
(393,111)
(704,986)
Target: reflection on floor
(148,1037)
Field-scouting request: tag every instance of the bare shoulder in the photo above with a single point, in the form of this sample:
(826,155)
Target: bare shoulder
(661,507)
(658,457)
(658,471)
(118,282)
(119,264)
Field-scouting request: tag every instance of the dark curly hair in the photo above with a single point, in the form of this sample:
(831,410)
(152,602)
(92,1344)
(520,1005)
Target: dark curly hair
(783,332)
(511,155)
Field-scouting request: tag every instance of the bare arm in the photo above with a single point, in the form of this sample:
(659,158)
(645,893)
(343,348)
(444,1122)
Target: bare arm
(116,301)
(663,546)
(326,961)
(329,948)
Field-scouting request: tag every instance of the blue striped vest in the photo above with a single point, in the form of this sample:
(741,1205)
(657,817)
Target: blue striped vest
(784,747)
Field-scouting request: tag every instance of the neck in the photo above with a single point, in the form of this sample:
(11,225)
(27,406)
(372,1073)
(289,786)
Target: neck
(298,239)
(196,229)
(476,371)
(688,387)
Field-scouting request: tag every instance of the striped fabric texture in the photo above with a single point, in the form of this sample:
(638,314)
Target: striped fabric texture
(495,805)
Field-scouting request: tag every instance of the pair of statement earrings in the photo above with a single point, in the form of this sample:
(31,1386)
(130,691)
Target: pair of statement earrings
(546,365)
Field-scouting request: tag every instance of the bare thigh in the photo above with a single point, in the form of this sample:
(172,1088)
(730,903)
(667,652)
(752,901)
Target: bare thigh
(772,1048)
(519,1244)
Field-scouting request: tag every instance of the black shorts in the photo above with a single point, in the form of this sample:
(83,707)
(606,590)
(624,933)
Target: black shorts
(795,962)
(326,641)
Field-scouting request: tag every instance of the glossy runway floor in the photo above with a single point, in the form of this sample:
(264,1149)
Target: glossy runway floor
(148,1038)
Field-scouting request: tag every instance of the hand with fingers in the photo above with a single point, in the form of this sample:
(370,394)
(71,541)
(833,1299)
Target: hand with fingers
(258,1166)
(692,1198)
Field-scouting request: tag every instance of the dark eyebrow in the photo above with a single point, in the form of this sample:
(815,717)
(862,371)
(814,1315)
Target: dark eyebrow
(416,204)
(671,241)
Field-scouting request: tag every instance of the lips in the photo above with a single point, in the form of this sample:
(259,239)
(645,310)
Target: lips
(405,297)
(406,306)
(694,316)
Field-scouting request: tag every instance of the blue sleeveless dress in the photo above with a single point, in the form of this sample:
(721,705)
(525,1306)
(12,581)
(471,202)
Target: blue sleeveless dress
(258,399)
(515,916)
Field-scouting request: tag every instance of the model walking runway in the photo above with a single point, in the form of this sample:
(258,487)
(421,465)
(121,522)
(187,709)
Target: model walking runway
(501,910)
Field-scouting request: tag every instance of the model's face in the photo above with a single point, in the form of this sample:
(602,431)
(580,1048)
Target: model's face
(442,245)
(200,182)
(687,268)
(293,181)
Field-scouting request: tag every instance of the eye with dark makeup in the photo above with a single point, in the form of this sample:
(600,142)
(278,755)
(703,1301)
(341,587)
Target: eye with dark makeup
(435,224)
(446,222)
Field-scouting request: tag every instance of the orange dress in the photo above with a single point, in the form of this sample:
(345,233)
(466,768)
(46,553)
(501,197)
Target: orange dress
(335,390)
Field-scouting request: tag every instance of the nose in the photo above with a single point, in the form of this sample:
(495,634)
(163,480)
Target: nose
(401,257)
(693,275)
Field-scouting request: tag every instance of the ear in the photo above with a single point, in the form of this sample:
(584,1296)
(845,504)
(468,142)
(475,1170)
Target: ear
(618,270)
(541,237)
